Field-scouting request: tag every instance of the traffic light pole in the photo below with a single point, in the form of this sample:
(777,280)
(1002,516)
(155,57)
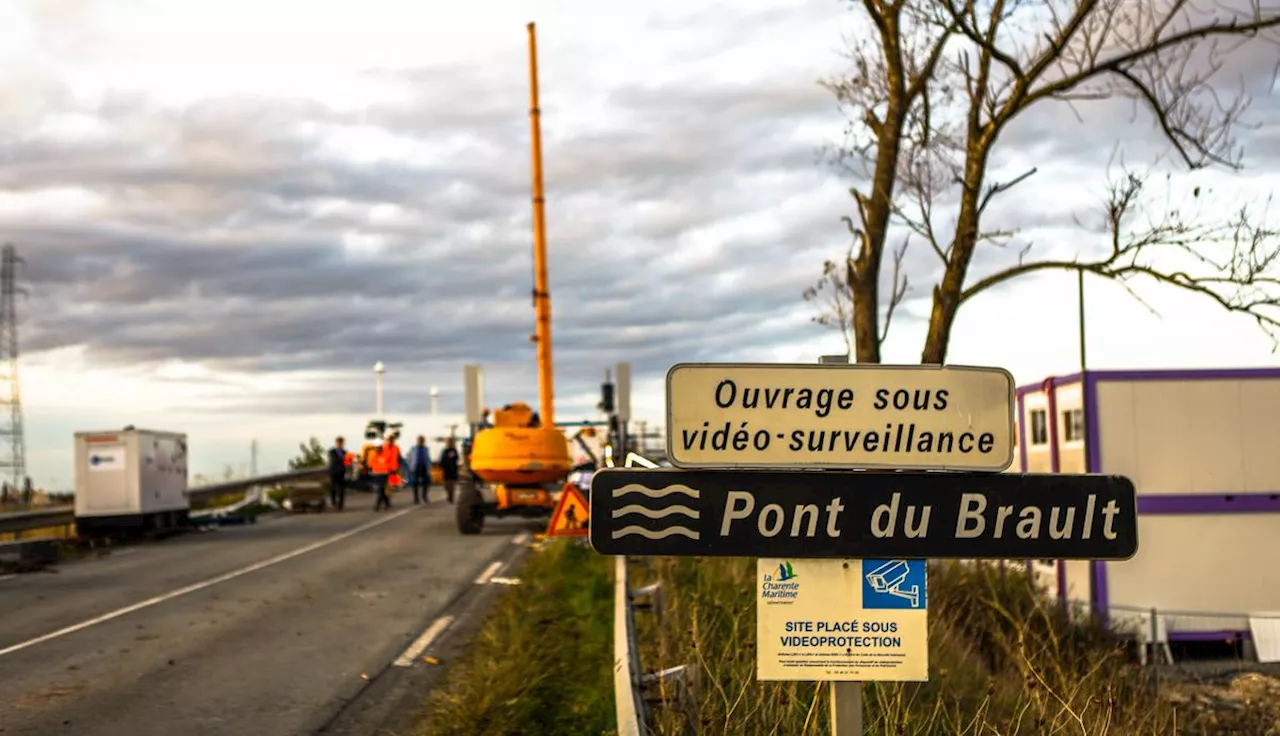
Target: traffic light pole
(615,402)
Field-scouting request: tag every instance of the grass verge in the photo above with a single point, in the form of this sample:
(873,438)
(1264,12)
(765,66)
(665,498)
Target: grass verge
(1004,661)
(542,663)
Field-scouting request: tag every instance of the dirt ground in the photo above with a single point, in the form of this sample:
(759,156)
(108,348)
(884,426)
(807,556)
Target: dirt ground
(1228,702)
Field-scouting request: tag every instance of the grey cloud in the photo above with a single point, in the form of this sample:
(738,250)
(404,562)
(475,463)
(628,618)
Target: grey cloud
(716,26)
(217,260)
(228,229)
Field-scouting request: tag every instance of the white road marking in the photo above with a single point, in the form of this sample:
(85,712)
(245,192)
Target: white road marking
(422,642)
(7,577)
(205,583)
(505,581)
(489,572)
(521,538)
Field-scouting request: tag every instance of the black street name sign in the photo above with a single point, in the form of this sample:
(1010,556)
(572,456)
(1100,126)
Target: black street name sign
(862,514)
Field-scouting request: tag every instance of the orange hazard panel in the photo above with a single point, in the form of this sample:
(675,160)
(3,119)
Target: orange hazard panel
(571,516)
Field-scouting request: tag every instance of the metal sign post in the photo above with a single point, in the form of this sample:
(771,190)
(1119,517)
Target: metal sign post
(846,697)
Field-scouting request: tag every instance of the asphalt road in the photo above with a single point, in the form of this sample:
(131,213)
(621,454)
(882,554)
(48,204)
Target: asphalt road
(281,627)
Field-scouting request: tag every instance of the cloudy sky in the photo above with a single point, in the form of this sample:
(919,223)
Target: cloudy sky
(230,210)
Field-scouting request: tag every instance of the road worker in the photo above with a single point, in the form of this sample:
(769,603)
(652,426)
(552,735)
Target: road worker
(386,470)
(449,468)
(420,470)
(372,444)
(339,466)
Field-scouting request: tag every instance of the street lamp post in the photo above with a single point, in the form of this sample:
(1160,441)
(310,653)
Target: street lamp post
(380,370)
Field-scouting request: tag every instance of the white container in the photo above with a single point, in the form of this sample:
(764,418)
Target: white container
(1201,448)
(130,479)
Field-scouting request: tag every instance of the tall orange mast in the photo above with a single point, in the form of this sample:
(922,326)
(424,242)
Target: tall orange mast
(541,289)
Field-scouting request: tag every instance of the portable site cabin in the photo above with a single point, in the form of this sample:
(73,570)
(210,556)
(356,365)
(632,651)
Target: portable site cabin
(133,479)
(1202,448)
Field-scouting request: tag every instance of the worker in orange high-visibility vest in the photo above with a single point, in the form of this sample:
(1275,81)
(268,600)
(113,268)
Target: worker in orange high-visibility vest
(385,470)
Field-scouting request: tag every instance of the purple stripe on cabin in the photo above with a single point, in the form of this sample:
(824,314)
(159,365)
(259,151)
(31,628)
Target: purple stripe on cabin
(1061,570)
(1022,457)
(1099,596)
(1158,375)
(1209,503)
(1188,374)
(1032,388)
(1225,635)
(1051,394)
(1055,466)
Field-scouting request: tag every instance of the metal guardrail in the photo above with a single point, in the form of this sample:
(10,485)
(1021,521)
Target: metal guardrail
(22,521)
(633,703)
(629,680)
(59,515)
(218,489)
(627,694)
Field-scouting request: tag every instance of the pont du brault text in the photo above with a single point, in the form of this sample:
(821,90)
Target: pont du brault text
(976,518)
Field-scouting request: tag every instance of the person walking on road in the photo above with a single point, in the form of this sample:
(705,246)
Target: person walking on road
(449,468)
(385,470)
(420,470)
(339,461)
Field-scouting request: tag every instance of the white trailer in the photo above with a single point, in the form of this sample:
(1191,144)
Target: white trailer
(1201,448)
(130,480)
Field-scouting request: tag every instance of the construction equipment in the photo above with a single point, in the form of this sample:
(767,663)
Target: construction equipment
(518,465)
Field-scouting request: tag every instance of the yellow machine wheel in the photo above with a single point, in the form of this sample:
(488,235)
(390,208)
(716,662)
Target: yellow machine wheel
(469,510)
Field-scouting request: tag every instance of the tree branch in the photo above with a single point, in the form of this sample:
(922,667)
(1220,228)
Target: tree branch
(836,310)
(1004,186)
(1245,281)
(936,83)
(899,289)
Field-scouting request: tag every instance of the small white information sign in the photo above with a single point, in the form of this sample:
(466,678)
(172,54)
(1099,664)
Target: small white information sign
(842,620)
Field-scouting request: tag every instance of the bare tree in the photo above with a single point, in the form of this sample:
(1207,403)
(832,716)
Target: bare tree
(836,310)
(936,83)
(835,305)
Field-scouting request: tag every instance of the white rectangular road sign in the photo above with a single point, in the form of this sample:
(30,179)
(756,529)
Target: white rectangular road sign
(918,417)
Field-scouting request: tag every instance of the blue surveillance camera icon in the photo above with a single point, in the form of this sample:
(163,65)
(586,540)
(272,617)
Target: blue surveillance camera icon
(889,577)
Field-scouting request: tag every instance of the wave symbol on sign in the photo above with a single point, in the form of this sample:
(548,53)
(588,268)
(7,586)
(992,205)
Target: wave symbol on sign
(675,509)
